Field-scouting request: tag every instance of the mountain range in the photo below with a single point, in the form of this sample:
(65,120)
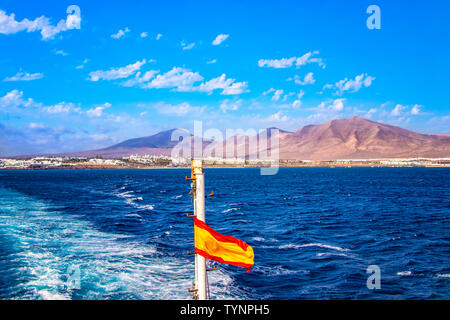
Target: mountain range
(351,138)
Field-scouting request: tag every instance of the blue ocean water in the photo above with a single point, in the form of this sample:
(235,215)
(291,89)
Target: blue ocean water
(314,232)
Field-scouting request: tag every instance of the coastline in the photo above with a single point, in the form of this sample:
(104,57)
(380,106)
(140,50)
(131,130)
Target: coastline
(226,166)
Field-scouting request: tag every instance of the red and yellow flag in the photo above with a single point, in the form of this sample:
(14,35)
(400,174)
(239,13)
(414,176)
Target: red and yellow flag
(225,249)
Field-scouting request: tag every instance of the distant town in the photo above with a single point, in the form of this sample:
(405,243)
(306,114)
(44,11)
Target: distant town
(148,162)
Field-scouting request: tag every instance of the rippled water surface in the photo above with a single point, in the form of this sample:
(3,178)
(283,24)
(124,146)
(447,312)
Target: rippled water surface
(314,232)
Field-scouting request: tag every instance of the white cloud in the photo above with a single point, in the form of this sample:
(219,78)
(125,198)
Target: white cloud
(158,36)
(61,53)
(98,111)
(62,107)
(34,125)
(187,46)
(184,80)
(416,109)
(327,110)
(277,94)
(440,124)
(277,63)
(287,95)
(24,76)
(178,78)
(337,105)
(371,112)
(14,99)
(319,61)
(211,61)
(289,62)
(116,73)
(331,105)
(138,79)
(144,35)
(277,117)
(228,86)
(301,61)
(37,133)
(14,102)
(235,88)
(81,66)
(100,137)
(308,79)
(280,119)
(181,109)
(121,33)
(268,91)
(219,39)
(229,105)
(298,102)
(351,85)
(9,25)
(73,21)
(399,109)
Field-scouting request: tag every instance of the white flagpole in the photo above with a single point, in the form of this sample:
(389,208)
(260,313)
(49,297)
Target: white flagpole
(197,168)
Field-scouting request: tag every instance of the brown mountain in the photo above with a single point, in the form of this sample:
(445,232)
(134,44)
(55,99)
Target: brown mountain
(160,144)
(359,138)
(352,138)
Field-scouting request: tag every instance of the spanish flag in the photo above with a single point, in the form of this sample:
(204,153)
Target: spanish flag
(225,249)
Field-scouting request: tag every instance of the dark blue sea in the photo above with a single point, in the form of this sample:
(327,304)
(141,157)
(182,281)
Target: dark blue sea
(124,233)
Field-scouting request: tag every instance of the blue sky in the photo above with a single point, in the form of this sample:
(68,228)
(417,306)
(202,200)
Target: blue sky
(138,67)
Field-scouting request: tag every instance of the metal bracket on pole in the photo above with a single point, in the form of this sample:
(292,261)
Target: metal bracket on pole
(190,215)
(210,195)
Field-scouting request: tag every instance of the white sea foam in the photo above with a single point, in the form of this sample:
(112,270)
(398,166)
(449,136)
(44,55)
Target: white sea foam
(111,266)
(443,275)
(131,199)
(259,239)
(146,207)
(326,254)
(277,270)
(47,295)
(126,194)
(133,215)
(404,273)
(321,245)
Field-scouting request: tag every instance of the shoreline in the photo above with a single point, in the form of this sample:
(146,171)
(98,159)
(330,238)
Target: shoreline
(224,167)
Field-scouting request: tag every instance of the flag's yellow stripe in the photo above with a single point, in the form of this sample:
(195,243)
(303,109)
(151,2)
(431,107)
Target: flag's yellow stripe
(228,251)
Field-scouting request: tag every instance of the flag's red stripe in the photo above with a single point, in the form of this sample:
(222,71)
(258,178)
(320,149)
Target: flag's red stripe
(218,236)
(219,259)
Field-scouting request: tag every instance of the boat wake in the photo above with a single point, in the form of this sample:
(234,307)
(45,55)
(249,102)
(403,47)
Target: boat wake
(48,245)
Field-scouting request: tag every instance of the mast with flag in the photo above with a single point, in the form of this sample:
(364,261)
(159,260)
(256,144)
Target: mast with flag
(209,244)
